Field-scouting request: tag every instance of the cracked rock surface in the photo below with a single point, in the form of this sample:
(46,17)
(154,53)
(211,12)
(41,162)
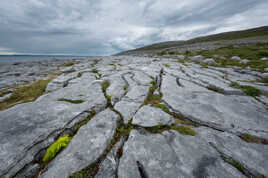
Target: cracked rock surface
(136,126)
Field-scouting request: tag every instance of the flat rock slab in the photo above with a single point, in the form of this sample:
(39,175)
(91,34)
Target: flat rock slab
(253,157)
(149,116)
(241,114)
(25,125)
(86,147)
(171,155)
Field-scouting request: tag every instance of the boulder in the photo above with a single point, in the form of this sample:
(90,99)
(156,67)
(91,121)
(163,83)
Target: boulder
(264,59)
(197,58)
(236,58)
(209,61)
(149,116)
(244,61)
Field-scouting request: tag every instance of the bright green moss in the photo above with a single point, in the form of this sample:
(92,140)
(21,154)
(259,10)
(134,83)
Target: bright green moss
(56,147)
(183,130)
(249,90)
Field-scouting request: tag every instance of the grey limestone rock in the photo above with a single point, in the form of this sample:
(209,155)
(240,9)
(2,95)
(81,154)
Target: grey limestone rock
(86,147)
(209,61)
(197,58)
(149,116)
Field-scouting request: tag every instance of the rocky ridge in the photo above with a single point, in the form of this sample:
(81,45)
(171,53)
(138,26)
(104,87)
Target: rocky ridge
(140,117)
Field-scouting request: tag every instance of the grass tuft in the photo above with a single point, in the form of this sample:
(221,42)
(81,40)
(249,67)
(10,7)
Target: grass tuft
(183,130)
(104,85)
(79,75)
(67,64)
(252,139)
(216,89)
(56,147)
(153,98)
(162,106)
(25,93)
(249,90)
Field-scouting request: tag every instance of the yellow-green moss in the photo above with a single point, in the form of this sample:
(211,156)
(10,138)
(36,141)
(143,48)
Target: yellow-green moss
(183,130)
(56,147)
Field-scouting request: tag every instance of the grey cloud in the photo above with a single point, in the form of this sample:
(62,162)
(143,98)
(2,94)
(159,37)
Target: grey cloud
(105,27)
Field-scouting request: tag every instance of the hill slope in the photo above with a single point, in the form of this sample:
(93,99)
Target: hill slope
(259,33)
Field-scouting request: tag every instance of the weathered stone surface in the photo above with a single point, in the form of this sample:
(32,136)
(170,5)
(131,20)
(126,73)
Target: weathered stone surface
(171,155)
(149,116)
(244,61)
(200,94)
(233,113)
(25,125)
(108,168)
(209,61)
(86,147)
(197,59)
(253,157)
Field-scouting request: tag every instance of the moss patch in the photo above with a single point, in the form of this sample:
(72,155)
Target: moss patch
(4,92)
(96,72)
(67,64)
(252,139)
(79,75)
(56,147)
(126,87)
(183,130)
(71,101)
(25,93)
(251,52)
(153,98)
(249,90)
(216,89)
(166,65)
(104,85)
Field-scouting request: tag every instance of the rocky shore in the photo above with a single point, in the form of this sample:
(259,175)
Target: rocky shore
(130,117)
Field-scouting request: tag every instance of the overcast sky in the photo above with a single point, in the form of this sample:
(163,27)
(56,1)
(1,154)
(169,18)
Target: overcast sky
(103,27)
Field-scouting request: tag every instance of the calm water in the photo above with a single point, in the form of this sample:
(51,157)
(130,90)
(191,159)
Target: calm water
(23,58)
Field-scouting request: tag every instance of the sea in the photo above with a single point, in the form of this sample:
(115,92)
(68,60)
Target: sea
(7,59)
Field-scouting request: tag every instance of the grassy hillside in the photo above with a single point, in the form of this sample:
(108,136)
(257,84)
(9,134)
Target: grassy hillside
(255,33)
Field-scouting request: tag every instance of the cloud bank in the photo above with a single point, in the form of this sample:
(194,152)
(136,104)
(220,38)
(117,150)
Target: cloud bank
(104,27)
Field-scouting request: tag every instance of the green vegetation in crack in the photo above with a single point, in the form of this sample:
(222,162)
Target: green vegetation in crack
(96,72)
(241,168)
(253,53)
(177,117)
(153,98)
(67,64)
(181,129)
(79,75)
(166,65)
(5,92)
(125,87)
(85,121)
(71,101)
(91,170)
(56,147)
(252,139)
(26,93)
(216,89)
(104,85)
(249,90)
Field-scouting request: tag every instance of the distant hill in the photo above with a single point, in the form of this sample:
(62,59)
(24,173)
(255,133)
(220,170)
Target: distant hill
(233,35)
